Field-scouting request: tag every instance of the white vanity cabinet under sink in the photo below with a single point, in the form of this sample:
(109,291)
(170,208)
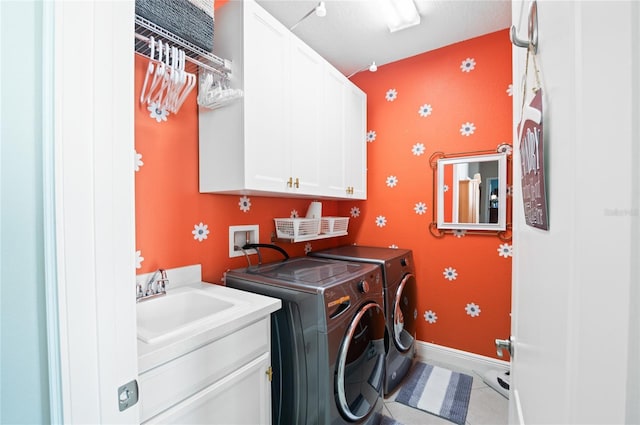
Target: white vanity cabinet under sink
(214,371)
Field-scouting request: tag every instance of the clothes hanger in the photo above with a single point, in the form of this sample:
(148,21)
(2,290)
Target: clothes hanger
(179,82)
(158,75)
(150,69)
(189,81)
(165,79)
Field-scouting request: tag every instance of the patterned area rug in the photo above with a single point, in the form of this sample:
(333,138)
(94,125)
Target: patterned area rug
(438,391)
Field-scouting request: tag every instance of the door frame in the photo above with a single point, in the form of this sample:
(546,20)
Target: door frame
(90,260)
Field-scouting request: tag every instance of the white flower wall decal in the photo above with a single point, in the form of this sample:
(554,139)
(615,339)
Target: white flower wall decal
(355,212)
(139,259)
(391,95)
(307,248)
(294,214)
(445,188)
(420,208)
(468,65)
(450,274)
(467,129)
(473,309)
(418,149)
(381,221)
(200,231)
(510,90)
(392,181)
(371,136)
(505,250)
(137,161)
(157,113)
(430,317)
(245,204)
(425,110)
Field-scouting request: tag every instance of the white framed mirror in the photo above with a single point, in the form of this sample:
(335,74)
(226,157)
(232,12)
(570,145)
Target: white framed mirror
(472,192)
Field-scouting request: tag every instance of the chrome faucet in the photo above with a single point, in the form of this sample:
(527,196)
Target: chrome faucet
(155,287)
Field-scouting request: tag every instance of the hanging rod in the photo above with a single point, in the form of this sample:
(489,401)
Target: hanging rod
(144,29)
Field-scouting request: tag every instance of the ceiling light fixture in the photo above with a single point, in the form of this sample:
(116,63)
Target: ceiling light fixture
(372,68)
(320,10)
(400,14)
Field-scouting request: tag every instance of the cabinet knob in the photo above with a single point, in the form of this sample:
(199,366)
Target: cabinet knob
(297,183)
(290,182)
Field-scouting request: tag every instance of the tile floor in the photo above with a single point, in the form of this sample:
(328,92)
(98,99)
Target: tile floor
(486,406)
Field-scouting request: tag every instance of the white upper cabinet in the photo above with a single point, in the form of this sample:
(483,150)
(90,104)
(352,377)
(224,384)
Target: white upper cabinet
(307,112)
(355,143)
(291,133)
(344,153)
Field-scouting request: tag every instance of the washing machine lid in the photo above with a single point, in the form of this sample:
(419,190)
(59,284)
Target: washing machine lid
(304,273)
(372,254)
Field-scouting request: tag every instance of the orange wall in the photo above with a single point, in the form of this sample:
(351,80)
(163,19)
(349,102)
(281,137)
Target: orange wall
(169,206)
(479,96)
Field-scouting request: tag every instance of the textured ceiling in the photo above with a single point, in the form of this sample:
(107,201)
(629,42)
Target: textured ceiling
(354,32)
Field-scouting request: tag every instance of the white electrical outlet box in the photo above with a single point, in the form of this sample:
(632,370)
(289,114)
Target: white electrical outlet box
(239,236)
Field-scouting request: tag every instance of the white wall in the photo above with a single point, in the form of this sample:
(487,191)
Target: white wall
(575,286)
(23,345)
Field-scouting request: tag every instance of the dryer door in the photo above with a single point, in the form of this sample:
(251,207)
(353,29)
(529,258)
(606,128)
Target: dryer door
(360,365)
(405,313)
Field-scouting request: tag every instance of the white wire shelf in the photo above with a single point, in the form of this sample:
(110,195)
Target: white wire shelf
(196,56)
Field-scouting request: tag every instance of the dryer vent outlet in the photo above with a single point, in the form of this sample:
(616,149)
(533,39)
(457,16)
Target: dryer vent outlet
(239,236)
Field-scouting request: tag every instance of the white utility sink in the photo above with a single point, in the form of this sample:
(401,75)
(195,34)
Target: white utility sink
(179,311)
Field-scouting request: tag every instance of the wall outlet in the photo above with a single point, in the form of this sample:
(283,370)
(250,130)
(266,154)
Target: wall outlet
(239,236)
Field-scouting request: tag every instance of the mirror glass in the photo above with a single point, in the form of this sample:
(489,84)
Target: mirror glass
(472,192)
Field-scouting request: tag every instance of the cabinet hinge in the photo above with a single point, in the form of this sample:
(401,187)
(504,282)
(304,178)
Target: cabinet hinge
(269,373)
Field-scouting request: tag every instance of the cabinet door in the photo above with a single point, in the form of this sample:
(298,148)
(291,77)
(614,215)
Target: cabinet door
(333,155)
(307,119)
(243,397)
(355,149)
(266,99)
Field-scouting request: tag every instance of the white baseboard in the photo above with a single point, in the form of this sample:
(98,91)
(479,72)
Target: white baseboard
(458,358)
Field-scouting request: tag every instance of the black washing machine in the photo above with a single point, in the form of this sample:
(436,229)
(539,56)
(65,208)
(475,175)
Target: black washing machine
(400,302)
(327,341)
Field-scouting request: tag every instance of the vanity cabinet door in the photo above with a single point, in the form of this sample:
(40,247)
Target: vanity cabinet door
(243,397)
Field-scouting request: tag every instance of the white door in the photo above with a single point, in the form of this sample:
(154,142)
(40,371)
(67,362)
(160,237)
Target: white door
(90,100)
(575,297)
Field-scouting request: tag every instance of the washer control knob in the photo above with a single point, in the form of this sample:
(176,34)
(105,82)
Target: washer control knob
(363,286)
